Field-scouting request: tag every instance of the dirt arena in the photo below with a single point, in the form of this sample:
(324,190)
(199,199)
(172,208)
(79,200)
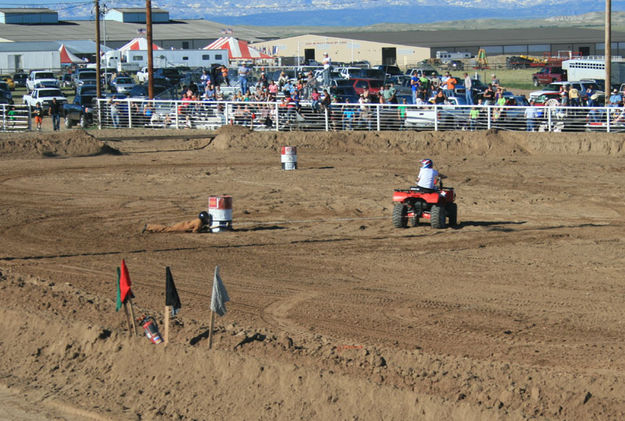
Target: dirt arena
(516,313)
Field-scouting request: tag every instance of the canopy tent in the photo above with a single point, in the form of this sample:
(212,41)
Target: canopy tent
(237,49)
(67,57)
(138,44)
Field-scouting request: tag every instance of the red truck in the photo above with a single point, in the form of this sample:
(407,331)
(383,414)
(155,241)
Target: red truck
(549,75)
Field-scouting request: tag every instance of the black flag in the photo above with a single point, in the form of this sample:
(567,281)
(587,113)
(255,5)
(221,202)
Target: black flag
(171,295)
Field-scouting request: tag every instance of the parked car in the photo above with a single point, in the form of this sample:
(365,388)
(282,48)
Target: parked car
(37,77)
(6,97)
(20,79)
(44,97)
(549,75)
(122,84)
(66,80)
(359,85)
(80,110)
(448,116)
(84,77)
(390,70)
(9,80)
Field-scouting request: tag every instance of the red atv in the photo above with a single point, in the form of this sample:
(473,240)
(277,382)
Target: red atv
(418,202)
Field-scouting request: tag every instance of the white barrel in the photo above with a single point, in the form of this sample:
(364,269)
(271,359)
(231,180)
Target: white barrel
(288,157)
(220,211)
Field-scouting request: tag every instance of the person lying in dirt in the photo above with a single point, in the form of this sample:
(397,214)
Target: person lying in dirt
(198,224)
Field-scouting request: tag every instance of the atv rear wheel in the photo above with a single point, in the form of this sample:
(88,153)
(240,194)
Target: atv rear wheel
(452,214)
(437,217)
(400,212)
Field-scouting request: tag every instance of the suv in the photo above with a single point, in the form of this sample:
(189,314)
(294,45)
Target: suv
(549,75)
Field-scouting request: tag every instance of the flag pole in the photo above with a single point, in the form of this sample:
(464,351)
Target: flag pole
(210,330)
(132,314)
(128,319)
(166,335)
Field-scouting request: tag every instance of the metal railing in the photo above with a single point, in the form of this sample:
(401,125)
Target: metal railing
(129,113)
(14,117)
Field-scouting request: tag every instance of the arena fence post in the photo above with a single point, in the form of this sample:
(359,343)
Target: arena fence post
(435,118)
(325,116)
(277,108)
(377,112)
(548,118)
(488,122)
(177,119)
(129,114)
(607,117)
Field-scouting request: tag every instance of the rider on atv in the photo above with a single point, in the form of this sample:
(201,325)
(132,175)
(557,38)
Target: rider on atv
(428,176)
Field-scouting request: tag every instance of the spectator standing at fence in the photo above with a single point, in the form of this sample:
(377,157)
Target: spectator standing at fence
(401,112)
(573,96)
(327,67)
(348,116)
(489,95)
(440,97)
(114,112)
(468,89)
(474,116)
(449,85)
(494,81)
(38,114)
(311,84)
(564,96)
(414,85)
(224,75)
(365,111)
(55,112)
(205,78)
(531,113)
(615,99)
(243,72)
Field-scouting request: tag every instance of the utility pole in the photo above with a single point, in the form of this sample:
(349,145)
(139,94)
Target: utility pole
(148,23)
(98,88)
(608,48)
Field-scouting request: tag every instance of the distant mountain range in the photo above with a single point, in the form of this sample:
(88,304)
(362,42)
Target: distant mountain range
(358,12)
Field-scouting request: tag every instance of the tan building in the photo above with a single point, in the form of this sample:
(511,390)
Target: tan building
(311,47)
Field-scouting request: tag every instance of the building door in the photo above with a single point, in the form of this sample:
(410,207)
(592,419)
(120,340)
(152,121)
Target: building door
(309,55)
(14,62)
(584,51)
(389,56)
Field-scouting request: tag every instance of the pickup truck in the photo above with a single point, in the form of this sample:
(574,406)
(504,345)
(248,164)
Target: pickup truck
(38,77)
(549,75)
(448,116)
(44,97)
(142,75)
(80,110)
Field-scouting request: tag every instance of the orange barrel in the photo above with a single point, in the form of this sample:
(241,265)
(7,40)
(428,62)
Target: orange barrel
(220,211)
(288,157)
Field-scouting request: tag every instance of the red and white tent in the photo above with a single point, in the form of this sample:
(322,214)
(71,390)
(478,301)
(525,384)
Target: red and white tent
(67,57)
(138,44)
(237,49)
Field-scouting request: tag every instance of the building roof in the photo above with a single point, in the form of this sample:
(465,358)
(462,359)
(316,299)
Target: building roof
(481,37)
(118,31)
(76,47)
(137,10)
(26,10)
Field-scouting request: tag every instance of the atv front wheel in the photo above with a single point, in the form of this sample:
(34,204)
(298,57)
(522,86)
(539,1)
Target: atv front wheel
(452,214)
(437,217)
(399,215)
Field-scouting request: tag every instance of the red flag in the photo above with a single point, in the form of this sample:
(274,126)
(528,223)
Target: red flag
(124,284)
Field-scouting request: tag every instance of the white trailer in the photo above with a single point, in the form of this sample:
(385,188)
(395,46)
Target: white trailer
(13,61)
(133,60)
(594,68)
(445,56)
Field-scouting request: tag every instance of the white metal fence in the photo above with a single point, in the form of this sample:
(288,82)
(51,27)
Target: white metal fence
(129,113)
(15,117)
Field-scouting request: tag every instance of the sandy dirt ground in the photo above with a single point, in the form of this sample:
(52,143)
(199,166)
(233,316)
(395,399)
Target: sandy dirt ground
(516,313)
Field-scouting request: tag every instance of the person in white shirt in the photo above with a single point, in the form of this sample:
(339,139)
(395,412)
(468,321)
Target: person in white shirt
(427,175)
(327,66)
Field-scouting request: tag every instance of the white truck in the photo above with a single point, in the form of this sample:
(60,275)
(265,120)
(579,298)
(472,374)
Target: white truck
(44,97)
(40,78)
